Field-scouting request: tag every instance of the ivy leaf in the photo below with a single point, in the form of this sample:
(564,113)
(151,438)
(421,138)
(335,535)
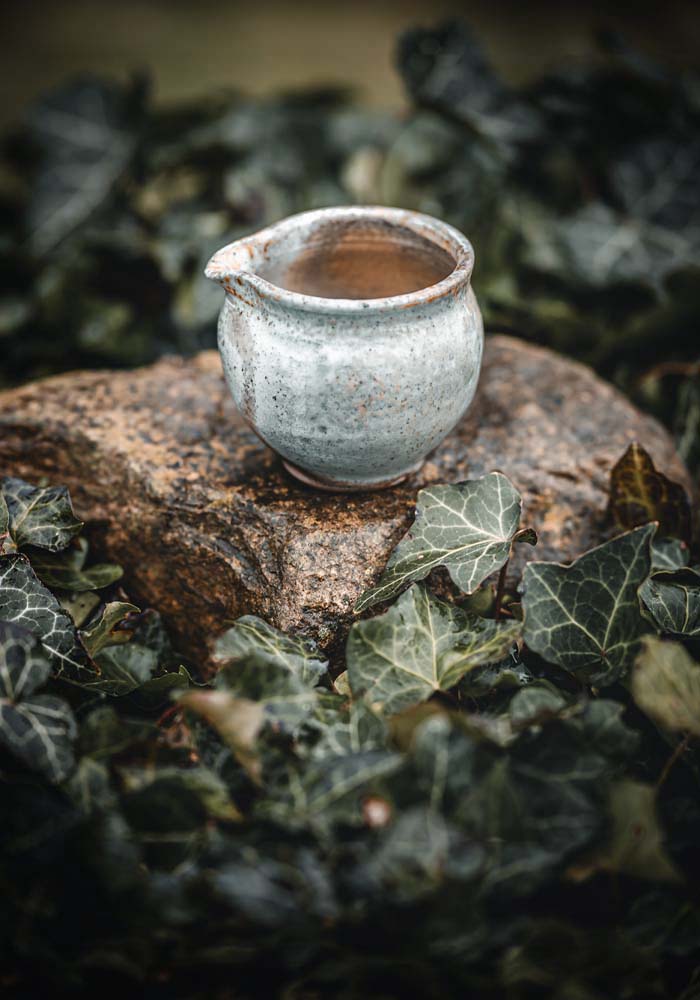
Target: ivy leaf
(586,617)
(238,722)
(341,728)
(4,521)
(86,135)
(666,685)
(659,180)
(79,606)
(330,791)
(419,646)
(106,631)
(468,528)
(673,604)
(39,516)
(531,805)
(38,729)
(669,555)
(123,669)
(158,691)
(284,699)
(639,493)
(636,844)
(278,672)
(66,570)
(26,601)
(253,641)
(597,248)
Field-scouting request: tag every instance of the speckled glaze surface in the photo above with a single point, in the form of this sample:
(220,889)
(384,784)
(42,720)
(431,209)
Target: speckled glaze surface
(351,340)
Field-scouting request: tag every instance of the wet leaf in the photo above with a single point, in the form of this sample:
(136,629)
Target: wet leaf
(586,617)
(469,528)
(639,493)
(39,516)
(39,729)
(25,601)
(666,685)
(419,646)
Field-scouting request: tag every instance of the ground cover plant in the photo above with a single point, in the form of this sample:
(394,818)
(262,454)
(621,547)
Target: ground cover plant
(496,791)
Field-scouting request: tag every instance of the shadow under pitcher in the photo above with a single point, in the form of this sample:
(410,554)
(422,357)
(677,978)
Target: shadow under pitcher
(351,340)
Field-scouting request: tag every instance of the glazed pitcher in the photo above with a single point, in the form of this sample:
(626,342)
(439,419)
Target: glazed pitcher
(351,340)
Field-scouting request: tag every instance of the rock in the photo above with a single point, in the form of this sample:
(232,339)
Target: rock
(208,526)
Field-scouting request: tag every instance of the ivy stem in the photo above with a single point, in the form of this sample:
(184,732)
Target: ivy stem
(680,749)
(500,587)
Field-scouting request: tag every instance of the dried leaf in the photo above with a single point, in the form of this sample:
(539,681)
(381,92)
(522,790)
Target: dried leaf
(666,685)
(108,630)
(639,494)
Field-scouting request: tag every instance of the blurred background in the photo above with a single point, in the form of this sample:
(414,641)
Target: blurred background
(563,138)
(192,47)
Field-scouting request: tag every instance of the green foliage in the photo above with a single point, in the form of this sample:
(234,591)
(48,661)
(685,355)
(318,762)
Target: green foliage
(586,617)
(420,646)
(34,516)
(451,790)
(468,528)
(39,729)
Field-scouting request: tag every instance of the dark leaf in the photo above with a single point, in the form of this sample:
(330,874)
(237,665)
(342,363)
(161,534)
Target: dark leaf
(253,641)
(26,601)
(673,605)
(87,139)
(586,616)
(66,570)
(122,668)
(38,729)
(39,516)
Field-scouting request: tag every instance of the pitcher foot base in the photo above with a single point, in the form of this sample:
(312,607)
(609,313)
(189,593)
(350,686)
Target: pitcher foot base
(330,486)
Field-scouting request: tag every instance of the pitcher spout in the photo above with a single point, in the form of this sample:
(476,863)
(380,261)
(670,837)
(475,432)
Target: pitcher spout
(232,261)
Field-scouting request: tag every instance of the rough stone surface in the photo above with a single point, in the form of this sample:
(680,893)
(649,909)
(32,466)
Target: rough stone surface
(209,526)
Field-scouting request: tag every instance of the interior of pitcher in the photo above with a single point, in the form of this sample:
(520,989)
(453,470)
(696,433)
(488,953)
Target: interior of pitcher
(354,258)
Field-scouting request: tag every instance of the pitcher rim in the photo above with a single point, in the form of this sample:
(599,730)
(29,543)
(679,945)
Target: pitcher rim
(229,265)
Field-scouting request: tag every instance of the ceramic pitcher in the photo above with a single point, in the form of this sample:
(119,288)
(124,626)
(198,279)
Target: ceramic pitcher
(351,340)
